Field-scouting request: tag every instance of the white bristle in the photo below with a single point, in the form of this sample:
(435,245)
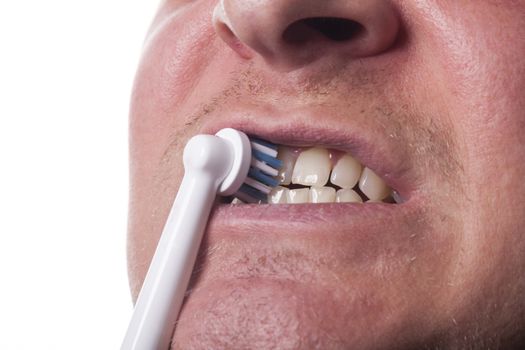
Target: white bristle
(264,149)
(257,185)
(236,201)
(264,167)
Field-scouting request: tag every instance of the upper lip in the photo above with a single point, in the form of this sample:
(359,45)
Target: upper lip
(387,156)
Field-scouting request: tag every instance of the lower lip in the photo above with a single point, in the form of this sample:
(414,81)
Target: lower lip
(357,223)
(310,213)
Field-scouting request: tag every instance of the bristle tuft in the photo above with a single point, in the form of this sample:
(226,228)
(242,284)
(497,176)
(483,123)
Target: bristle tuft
(256,143)
(266,158)
(262,177)
(264,167)
(256,195)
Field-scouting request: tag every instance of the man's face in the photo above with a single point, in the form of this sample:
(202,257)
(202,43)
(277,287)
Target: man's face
(427,93)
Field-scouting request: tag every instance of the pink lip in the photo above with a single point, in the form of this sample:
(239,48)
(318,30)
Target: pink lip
(304,128)
(362,232)
(310,214)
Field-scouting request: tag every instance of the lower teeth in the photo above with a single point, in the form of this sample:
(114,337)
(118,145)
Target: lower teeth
(284,195)
(294,194)
(326,194)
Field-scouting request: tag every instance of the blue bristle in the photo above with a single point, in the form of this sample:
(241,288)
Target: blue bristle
(252,192)
(271,161)
(263,142)
(266,156)
(262,177)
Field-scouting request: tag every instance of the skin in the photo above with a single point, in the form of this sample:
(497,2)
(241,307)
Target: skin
(437,84)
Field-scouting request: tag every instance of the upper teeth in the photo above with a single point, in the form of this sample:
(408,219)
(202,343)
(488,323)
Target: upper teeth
(312,168)
(315,167)
(346,172)
(373,186)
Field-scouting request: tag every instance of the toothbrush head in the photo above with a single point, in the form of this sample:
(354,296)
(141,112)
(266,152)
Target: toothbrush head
(240,156)
(254,167)
(264,167)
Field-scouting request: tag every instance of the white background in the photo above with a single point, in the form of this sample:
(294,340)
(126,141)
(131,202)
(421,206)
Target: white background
(66,69)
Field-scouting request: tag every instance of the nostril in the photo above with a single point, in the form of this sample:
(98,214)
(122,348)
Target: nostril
(337,29)
(331,28)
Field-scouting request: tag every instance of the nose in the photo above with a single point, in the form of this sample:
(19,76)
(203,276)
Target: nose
(293,33)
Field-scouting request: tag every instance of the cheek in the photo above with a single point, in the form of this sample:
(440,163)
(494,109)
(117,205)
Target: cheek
(174,61)
(477,65)
(492,120)
(176,53)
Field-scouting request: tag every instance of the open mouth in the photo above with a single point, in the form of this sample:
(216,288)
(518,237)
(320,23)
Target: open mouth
(318,175)
(337,164)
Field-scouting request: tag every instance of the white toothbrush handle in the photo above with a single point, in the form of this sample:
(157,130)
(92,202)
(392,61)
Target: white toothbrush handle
(207,160)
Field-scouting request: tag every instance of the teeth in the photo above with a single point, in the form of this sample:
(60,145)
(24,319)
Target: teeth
(288,157)
(397,198)
(348,196)
(305,174)
(346,172)
(298,196)
(373,186)
(278,195)
(312,168)
(322,195)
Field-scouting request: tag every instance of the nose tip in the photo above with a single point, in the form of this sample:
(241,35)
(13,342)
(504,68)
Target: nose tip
(293,33)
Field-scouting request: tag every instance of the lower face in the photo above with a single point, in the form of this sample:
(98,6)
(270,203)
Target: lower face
(440,120)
